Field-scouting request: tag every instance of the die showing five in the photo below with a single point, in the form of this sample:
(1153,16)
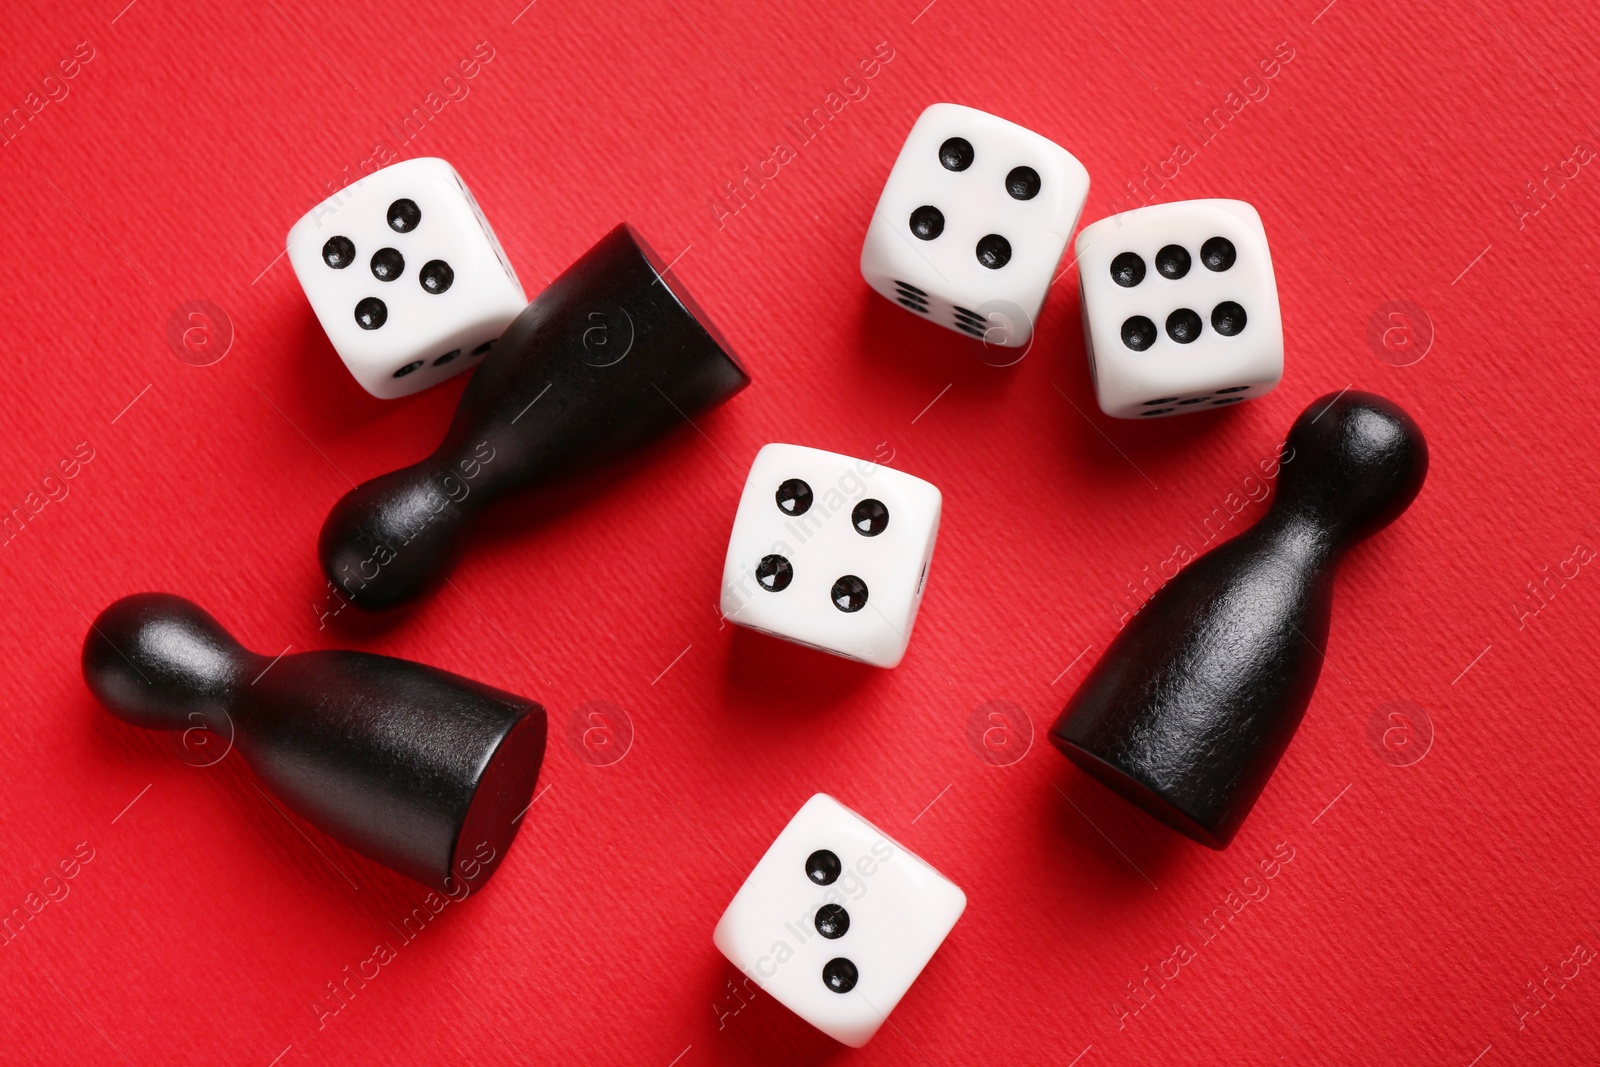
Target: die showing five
(406,277)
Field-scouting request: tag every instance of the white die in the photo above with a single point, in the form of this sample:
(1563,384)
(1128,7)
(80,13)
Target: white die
(842,973)
(972,223)
(830,552)
(446,291)
(1139,298)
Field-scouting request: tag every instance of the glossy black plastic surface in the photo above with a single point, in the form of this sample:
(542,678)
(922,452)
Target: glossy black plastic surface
(606,360)
(1190,708)
(419,769)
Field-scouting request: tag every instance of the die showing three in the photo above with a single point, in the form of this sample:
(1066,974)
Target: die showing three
(837,920)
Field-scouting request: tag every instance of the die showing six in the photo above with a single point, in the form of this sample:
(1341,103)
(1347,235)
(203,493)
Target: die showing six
(1180,308)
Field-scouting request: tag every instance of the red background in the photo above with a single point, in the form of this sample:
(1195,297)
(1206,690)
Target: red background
(1386,157)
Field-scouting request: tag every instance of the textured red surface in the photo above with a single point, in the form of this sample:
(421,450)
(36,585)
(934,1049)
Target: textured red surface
(1423,903)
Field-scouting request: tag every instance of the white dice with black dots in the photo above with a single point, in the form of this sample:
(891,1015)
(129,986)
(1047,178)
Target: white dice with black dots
(972,222)
(1180,308)
(830,552)
(837,920)
(407,279)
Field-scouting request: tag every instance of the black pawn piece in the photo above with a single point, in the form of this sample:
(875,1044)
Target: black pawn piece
(609,358)
(1189,710)
(422,770)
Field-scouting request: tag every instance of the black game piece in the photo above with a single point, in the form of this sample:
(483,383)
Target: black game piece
(422,770)
(606,360)
(1192,705)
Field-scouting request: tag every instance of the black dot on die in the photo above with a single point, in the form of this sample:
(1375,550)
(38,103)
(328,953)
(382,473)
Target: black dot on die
(1023,183)
(1127,270)
(1173,261)
(339,252)
(371,313)
(1156,411)
(832,921)
(1218,253)
(927,222)
(388,264)
(840,975)
(1183,326)
(870,518)
(481,349)
(404,215)
(1138,333)
(436,276)
(994,251)
(774,573)
(447,357)
(794,496)
(1228,318)
(956,153)
(408,368)
(849,594)
(823,867)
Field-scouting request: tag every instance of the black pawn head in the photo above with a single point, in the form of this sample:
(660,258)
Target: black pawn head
(1353,462)
(156,660)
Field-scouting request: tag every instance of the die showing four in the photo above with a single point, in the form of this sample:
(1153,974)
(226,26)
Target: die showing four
(972,223)
(830,552)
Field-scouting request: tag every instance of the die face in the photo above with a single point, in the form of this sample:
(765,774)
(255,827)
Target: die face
(405,276)
(972,223)
(1180,308)
(830,552)
(833,887)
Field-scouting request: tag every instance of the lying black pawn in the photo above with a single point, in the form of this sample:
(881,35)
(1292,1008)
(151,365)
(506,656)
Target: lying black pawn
(606,360)
(419,769)
(1190,708)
